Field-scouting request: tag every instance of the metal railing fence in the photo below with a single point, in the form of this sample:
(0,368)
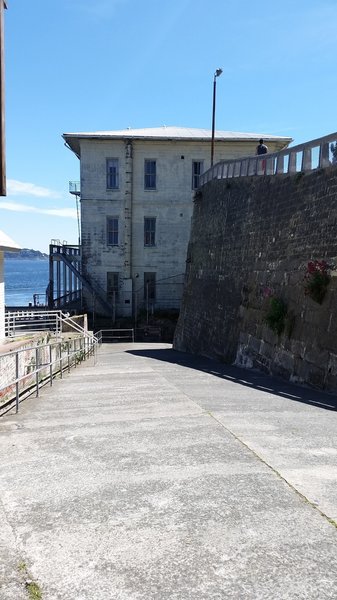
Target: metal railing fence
(114,335)
(23,371)
(19,323)
(318,153)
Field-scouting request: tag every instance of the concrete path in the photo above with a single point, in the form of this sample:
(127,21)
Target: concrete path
(160,476)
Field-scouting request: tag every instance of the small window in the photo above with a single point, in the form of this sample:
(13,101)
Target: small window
(149,286)
(112,173)
(112,231)
(149,231)
(197,170)
(113,286)
(150,174)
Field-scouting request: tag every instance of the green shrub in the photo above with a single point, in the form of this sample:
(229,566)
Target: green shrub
(276,315)
(317,279)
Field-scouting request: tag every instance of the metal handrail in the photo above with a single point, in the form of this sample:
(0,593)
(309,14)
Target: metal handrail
(37,320)
(36,365)
(104,334)
(289,161)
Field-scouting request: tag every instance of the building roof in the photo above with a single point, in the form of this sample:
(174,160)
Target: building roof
(6,244)
(171,133)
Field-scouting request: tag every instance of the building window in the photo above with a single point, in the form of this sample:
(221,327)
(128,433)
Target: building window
(149,286)
(149,231)
(112,173)
(113,286)
(150,174)
(112,231)
(197,170)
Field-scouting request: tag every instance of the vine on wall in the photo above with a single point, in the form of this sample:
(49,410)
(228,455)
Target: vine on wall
(317,279)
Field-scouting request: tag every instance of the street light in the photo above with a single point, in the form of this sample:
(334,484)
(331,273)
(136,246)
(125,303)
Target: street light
(216,74)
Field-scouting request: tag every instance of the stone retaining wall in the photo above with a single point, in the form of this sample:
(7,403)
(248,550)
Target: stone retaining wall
(251,241)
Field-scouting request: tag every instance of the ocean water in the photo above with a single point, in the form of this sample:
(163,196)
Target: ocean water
(23,279)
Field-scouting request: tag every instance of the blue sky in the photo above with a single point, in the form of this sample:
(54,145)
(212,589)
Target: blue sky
(87,65)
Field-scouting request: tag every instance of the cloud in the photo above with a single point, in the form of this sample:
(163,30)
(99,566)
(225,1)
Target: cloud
(21,188)
(68,213)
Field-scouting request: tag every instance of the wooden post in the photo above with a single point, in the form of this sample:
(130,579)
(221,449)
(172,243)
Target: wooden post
(2,102)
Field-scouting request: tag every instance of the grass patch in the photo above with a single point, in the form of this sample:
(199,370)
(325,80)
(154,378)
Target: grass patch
(332,522)
(33,589)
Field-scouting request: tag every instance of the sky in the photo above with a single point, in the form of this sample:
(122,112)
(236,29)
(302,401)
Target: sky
(90,65)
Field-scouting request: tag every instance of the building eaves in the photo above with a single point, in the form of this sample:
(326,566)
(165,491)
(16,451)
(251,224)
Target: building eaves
(7,244)
(166,133)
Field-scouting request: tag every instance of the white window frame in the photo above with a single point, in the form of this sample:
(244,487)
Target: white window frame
(149,174)
(196,176)
(113,231)
(112,179)
(150,232)
(113,290)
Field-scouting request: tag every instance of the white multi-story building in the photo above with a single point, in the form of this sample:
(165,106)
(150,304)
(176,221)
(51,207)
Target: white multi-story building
(136,190)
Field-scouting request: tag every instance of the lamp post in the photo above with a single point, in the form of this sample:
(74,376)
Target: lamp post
(3,6)
(216,74)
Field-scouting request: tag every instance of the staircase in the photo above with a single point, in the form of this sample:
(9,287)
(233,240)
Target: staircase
(69,257)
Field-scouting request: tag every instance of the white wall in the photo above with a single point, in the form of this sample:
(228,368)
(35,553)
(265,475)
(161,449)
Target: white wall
(2,298)
(171,204)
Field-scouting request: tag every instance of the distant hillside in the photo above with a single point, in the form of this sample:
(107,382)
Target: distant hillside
(27,254)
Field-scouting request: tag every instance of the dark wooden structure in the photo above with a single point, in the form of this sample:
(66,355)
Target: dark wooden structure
(2,102)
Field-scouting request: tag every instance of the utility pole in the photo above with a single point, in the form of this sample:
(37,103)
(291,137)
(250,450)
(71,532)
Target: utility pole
(3,5)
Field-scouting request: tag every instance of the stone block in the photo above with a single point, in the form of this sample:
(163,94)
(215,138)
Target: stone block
(316,376)
(298,348)
(332,364)
(317,356)
(254,344)
(267,350)
(268,335)
(285,360)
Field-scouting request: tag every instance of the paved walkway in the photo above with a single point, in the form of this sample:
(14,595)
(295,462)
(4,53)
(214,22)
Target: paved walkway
(157,475)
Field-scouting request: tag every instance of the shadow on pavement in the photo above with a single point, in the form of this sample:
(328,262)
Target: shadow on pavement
(250,378)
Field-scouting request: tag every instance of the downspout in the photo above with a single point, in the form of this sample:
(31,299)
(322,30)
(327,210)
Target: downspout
(128,209)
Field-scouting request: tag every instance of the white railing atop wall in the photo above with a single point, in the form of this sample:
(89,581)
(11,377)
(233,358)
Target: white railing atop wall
(23,322)
(319,153)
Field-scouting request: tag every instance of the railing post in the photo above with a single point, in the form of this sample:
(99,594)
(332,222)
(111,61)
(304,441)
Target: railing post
(324,160)
(68,356)
(37,370)
(237,169)
(60,361)
(50,364)
(306,160)
(292,162)
(260,166)
(244,168)
(269,166)
(251,166)
(280,164)
(17,382)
